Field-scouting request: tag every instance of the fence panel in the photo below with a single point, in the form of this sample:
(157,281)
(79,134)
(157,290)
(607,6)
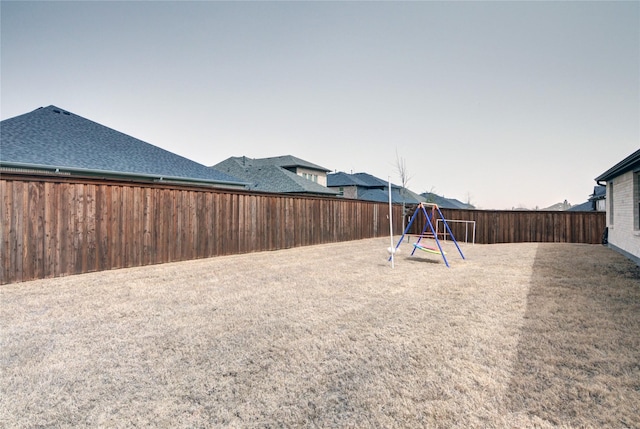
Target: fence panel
(53,226)
(495,226)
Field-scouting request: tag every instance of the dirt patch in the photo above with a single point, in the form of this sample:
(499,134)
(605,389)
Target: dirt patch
(330,336)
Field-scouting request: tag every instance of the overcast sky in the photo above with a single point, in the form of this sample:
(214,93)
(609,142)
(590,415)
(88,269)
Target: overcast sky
(508,104)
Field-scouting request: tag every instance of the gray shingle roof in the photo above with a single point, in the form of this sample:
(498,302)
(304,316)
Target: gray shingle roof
(599,193)
(365,180)
(382,196)
(445,203)
(50,137)
(377,195)
(372,181)
(371,188)
(286,161)
(584,207)
(343,179)
(270,178)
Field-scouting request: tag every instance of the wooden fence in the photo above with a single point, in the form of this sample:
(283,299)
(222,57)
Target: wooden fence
(501,226)
(54,227)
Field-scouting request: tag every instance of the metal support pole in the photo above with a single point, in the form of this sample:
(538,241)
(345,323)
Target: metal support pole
(448,229)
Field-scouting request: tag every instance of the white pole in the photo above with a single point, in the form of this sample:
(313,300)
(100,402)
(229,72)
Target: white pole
(391,225)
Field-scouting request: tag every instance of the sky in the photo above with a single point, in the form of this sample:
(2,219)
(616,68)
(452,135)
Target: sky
(504,104)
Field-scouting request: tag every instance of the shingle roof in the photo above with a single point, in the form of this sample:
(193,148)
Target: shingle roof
(411,197)
(364,180)
(599,193)
(372,181)
(343,179)
(445,203)
(584,207)
(286,161)
(51,137)
(382,196)
(270,178)
(371,188)
(377,195)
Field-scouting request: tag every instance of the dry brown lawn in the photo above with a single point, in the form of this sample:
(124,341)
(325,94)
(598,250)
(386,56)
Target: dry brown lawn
(517,335)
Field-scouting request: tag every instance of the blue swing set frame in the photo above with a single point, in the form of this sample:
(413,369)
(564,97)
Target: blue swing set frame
(429,224)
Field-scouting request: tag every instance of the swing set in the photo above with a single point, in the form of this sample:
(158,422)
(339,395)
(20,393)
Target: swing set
(435,210)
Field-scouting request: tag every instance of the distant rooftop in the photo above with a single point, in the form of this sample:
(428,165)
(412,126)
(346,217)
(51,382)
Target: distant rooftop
(371,188)
(445,203)
(285,161)
(356,179)
(273,175)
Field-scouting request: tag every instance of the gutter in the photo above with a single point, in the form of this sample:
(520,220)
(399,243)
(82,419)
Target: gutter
(154,177)
(632,162)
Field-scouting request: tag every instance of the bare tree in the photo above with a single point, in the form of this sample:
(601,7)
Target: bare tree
(401,167)
(469,200)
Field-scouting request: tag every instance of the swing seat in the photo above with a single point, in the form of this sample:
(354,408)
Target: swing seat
(428,249)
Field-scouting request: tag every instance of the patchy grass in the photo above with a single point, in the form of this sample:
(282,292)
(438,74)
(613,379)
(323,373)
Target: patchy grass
(516,335)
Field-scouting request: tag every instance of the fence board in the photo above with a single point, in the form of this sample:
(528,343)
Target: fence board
(39,208)
(115,233)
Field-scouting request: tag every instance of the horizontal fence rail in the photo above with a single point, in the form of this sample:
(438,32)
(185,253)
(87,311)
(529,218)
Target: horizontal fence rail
(54,227)
(502,226)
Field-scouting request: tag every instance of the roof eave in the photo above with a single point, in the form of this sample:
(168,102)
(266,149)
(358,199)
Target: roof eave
(156,177)
(308,167)
(629,163)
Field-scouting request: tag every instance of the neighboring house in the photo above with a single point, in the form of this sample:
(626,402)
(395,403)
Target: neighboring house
(51,140)
(364,186)
(558,207)
(595,203)
(445,203)
(622,183)
(346,184)
(282,175)
(300,167)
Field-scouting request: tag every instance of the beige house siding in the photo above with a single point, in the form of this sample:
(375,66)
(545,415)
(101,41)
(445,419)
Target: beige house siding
(622,196)
(350,192)
(321,176)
